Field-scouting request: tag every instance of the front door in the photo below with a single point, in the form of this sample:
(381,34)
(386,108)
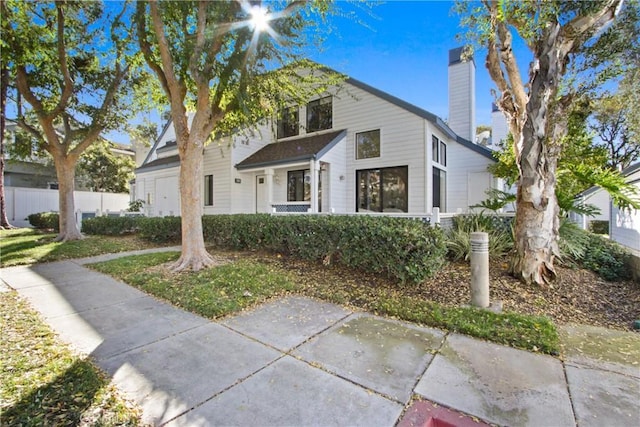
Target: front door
(261,194)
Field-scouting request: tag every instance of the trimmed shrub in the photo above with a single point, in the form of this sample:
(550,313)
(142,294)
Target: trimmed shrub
(399,248)
(45,221)
(402,249)
(111,226)
(166,229)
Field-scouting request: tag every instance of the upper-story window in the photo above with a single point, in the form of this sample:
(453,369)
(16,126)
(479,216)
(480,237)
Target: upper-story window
(368,144)
(288,122)
(320,114)
(438,151)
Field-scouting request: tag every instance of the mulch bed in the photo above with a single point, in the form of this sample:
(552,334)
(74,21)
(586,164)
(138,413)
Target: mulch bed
(577,296)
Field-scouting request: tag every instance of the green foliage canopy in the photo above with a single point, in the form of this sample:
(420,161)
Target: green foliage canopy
(101,169)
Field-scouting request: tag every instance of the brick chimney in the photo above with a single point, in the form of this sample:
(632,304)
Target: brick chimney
(462,94)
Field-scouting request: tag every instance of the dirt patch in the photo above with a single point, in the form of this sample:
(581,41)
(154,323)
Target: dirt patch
(577,296)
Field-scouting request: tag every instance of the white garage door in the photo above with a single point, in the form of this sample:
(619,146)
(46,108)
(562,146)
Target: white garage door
(167,196)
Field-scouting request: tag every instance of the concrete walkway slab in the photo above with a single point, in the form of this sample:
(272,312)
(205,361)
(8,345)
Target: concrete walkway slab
(380,354)
(292,393)
(107,331)
(601,348)
(27,276)
(90,291)
(185,370)
(288,322)
(499,384)
(602,398)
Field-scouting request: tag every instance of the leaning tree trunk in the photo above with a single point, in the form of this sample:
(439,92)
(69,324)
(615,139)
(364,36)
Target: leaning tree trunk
(194,254)
(65,170)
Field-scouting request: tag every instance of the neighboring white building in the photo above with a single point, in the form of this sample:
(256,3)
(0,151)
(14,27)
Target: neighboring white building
(598,198)
(354,149)
(624,224)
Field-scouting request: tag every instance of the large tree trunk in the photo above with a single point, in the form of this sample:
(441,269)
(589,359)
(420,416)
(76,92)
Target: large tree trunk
(194,254)
(536,223)
(4,81)
(65,170)
(537,150)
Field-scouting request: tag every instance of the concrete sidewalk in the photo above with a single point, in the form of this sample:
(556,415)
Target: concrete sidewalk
(299,362)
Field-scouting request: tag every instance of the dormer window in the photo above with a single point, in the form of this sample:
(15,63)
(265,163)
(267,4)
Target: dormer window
(320,114)
(288,122)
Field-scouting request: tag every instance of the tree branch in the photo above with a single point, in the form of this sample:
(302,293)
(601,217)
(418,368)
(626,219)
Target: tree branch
(198,49)
(98,124)
(593,22)
(145,46)
(67,89)
(510,63)
(30,129)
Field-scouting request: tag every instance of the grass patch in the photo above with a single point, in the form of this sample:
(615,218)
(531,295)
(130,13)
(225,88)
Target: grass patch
(250,279)
(513,329)
(43,383)
(212,293)
(28,246)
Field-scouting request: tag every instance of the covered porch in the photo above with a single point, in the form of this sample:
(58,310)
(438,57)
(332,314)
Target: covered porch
(293,176)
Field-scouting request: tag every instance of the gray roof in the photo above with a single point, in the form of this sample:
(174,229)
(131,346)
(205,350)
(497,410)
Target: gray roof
(162,163)
(292,150)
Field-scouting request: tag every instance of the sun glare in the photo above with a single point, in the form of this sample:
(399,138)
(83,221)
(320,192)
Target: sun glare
(260,18)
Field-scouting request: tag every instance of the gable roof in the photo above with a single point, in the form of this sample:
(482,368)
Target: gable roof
(437,121)
(293,150)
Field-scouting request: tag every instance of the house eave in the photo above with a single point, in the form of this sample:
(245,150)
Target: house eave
(272,163)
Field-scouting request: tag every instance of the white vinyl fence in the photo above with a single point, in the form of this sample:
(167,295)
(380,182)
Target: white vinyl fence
(22,202)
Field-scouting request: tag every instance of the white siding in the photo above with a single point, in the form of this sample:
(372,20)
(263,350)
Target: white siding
(243,194)
(599,199)
(464,164)
(401,140)
(217,162)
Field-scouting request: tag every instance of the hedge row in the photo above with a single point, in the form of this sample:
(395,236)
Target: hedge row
(399,248)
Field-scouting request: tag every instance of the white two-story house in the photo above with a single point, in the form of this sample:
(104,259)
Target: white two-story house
(355,149)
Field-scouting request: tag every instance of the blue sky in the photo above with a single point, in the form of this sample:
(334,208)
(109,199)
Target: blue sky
(405,53)
(402,50)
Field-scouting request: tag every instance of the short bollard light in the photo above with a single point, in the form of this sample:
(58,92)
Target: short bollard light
(479,269)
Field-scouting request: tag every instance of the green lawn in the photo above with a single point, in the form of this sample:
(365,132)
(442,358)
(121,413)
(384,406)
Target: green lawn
(42,382)
(28,246)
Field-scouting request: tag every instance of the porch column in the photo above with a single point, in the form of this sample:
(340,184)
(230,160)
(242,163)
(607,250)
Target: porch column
(269,173)
(313,170)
